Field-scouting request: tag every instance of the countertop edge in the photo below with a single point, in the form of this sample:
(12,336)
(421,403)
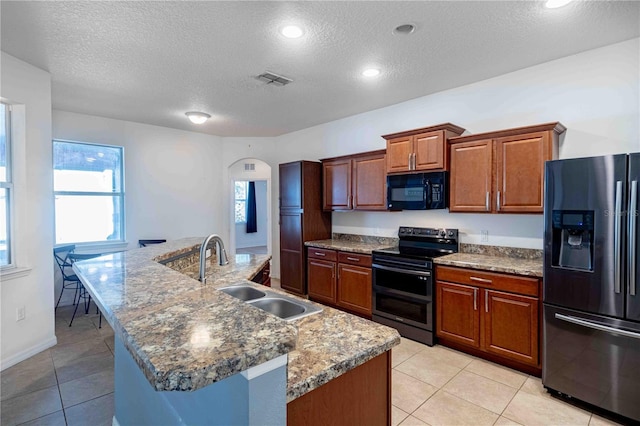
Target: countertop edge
(313,382)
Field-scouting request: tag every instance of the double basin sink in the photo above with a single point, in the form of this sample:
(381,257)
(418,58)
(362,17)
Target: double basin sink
(279,305)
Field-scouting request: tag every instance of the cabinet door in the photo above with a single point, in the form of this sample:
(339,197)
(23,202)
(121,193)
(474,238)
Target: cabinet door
(291,185)
(430,151)
(369,183)
(354,288)
(520,172)
(471,176)
(321,280)
(458,317)
(511,326)
(337,185)
(398,152)
(292,272)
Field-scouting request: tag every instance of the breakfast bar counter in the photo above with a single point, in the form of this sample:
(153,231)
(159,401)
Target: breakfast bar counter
(184,335)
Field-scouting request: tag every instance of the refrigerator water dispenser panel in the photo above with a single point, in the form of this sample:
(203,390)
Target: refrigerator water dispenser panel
(573,239)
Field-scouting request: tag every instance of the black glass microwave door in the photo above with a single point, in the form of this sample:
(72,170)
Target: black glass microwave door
(408,194)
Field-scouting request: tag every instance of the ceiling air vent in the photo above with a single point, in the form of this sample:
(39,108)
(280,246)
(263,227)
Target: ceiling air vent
(276,79)
(249,167)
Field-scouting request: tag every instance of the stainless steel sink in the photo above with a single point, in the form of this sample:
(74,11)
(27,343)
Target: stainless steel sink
(243,292)
(284,307)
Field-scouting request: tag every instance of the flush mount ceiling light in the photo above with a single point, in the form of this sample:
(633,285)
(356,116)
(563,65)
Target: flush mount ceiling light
(554,4)
(371,72)
(404,29)
(291,31)
(197,117)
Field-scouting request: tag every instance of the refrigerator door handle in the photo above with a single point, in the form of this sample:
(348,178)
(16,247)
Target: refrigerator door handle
(617,229)
(633,246)
(596,326)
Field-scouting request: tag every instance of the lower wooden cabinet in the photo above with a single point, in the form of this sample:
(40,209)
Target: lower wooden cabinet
(490,313)
(457,313)
(361,396)
(321,281)
(511,326)
(263,276)
(340,279)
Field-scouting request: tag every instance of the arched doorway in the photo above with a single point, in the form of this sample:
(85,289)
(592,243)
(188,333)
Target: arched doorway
(250,183)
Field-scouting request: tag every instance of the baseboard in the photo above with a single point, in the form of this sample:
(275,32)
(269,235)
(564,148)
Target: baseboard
(28,353)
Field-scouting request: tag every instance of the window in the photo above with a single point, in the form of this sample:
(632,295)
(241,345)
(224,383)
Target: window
(88,184)
(6,186)
(241,201)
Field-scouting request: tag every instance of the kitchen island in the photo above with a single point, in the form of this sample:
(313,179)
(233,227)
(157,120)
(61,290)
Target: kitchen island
(194,345)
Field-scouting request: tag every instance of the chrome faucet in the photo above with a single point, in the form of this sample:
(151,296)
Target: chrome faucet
(221,254)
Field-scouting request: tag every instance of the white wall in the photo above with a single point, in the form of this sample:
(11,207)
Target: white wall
(29,89)
(258,238)
(595,94)
(172,177)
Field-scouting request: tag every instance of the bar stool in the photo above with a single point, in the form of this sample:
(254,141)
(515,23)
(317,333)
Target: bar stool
(69,279)
(84,294)
(144,243)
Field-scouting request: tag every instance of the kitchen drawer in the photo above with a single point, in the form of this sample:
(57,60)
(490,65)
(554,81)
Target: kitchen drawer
(354,259)
(318,253)
(512,283)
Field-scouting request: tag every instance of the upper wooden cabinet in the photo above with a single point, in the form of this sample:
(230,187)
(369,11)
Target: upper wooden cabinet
(502,171)
(420,149)
(355,182)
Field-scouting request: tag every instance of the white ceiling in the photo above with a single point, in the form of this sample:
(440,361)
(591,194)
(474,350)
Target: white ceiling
(150,62)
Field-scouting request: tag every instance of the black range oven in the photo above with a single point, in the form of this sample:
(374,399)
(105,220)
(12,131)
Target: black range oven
(403,280)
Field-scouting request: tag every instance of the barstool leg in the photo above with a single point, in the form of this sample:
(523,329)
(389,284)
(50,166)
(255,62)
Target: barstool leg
(74,312)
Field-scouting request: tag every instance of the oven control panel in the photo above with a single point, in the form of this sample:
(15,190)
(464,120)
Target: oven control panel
(406,231)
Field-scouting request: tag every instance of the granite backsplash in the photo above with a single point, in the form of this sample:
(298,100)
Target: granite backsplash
(514,252)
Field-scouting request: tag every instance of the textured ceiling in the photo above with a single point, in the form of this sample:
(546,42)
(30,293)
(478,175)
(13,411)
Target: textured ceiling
(150,62)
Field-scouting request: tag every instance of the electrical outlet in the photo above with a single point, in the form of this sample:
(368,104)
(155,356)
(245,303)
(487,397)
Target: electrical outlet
(20,313)
(484,236)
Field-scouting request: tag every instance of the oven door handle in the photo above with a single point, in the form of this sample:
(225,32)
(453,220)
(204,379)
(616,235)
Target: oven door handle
(401,271)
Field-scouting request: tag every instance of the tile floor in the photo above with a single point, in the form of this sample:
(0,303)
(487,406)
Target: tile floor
(68,384)
(72,384)
(440,386)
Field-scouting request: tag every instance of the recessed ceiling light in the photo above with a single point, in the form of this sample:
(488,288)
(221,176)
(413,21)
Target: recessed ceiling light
(404,29)
(371,72)
(291,31)
(554,4)
(197,117)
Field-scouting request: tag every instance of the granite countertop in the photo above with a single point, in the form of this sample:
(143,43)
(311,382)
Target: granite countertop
(353,246)
(185,335)
(493,263)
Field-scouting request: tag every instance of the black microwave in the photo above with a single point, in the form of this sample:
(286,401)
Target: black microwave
(418,191)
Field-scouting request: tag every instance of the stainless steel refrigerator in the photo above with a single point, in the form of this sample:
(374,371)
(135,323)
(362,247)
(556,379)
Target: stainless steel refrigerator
(591,346)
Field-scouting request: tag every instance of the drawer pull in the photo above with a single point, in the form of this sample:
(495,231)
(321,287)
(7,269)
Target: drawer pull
(353,259)
(319,254)
(480,280)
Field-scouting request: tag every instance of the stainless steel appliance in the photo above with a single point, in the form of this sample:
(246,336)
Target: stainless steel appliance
(591,348)
(403,295)
(418,191)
